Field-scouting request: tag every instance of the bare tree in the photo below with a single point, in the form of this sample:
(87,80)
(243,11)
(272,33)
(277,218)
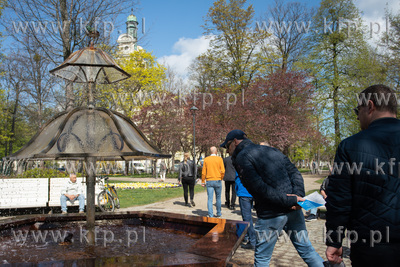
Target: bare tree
(14,80)
(59,26)
(289,23)
(39,85)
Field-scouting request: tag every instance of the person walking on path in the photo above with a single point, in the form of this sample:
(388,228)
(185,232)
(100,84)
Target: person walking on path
(211,175)
(163,170)
(366,202)
(186,177)
(229,179)
(276,186)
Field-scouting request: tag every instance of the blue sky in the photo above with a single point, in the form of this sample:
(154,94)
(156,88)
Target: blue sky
(168,21)
(173,29)
(174,34)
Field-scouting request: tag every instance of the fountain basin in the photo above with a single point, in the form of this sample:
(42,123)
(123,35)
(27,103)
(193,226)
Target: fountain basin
(124,239)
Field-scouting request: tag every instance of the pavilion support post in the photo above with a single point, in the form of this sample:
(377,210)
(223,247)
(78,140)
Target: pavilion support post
(92,88)
(90,199)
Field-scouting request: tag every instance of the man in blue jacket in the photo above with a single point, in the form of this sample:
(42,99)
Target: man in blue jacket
(246,207)
(276,186)
(364,187)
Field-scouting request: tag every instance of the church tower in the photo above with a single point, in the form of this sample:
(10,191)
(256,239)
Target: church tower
(131,27)
(127,42)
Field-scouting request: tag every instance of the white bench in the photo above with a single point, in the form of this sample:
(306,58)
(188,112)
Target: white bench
(36,192)
(23,193)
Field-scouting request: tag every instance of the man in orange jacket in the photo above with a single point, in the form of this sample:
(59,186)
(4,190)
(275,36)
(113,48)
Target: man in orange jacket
(211,176)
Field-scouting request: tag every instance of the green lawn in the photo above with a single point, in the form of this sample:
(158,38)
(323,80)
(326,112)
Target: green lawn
(138,197)
(304,170)
(313,190)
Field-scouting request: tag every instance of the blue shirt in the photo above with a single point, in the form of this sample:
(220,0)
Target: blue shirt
(241,191)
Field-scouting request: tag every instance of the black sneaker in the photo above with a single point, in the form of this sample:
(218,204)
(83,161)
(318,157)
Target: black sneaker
(248,246)
(311,218)
(192,202)
(232,208)
(188,205)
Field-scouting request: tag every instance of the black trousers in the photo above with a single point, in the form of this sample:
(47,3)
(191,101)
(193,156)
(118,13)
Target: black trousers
(188,183)
(228,186)
(381,255)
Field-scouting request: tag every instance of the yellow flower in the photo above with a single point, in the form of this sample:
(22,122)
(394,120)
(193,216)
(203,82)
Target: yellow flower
(140,185)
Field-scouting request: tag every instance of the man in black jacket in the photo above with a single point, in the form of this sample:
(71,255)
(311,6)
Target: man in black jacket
(276,186)
(364,187)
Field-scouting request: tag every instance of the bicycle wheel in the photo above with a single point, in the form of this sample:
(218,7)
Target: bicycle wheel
(115,197)
(105,201)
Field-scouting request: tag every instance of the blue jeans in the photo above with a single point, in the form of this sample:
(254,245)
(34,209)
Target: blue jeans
(211,186)
(63,200)
(267,232)
(314,211)
(246,206)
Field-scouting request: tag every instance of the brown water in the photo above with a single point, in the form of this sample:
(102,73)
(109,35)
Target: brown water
(115,238)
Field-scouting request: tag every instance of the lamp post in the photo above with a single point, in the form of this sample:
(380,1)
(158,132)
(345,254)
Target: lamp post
(193,110)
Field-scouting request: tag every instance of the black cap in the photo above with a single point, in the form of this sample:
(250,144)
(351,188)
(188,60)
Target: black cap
(238,134)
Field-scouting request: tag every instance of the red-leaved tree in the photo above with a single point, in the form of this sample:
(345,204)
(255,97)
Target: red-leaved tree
(276,108)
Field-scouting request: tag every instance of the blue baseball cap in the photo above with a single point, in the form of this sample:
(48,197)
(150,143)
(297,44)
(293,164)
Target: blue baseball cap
(238,134)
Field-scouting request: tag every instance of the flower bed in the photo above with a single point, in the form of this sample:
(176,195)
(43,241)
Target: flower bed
(140,185)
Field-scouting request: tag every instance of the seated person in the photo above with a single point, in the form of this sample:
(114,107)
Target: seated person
(71,192)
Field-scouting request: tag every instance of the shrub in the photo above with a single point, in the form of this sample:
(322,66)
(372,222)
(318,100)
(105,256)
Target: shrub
(43,173)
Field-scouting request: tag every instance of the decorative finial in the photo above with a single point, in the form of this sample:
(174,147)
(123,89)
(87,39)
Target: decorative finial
(92,34)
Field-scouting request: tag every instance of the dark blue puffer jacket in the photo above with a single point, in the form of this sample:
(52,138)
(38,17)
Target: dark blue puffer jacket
(268,175)
(364,189)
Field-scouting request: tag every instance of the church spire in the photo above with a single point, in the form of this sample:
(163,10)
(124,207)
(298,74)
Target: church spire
(131,26)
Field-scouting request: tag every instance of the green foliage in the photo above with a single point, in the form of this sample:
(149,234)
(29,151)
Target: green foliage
(146,73)
(235,49)
(341,64)
(391,39)
(147,77)
(43,173)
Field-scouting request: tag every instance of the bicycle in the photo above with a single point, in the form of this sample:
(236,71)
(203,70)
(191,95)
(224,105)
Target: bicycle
(108,198)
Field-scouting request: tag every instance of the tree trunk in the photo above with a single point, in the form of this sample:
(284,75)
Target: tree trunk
(66,41)
(335,96)
(126,172)
(14,118)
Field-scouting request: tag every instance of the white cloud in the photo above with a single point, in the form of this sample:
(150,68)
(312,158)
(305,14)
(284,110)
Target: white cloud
(374,10)
(373,15)
(186,50)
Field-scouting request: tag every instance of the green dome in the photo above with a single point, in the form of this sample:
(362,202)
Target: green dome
(131,18)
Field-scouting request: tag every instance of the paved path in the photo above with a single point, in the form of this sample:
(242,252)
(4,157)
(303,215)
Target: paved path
(284,253)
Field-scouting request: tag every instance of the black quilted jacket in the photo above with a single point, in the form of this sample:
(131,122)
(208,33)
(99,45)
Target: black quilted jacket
(364,189)
(269,176)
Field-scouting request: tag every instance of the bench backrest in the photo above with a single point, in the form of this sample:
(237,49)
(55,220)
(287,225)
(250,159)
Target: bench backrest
(36,192)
